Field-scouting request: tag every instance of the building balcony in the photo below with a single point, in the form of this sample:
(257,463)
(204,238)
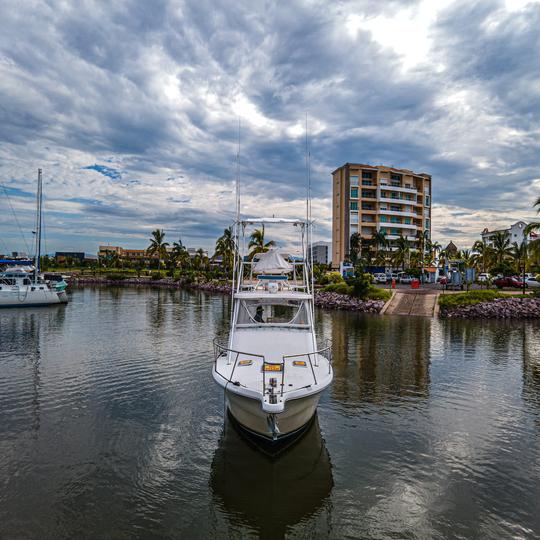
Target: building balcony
(399,213)
(391,200)
(396,237)
(388,187)
(390,225)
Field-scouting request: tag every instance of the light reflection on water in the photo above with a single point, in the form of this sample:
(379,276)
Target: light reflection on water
(111,426)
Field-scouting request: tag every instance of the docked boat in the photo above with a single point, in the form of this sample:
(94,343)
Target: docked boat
(272,368)
(25,286)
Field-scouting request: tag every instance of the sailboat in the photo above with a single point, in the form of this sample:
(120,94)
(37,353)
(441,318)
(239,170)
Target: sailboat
(21,286)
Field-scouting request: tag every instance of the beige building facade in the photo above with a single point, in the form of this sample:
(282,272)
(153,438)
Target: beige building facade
(371,198)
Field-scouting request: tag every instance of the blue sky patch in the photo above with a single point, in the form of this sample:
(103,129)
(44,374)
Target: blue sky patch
(105,171)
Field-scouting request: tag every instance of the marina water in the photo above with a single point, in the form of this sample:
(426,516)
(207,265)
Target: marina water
(111,427)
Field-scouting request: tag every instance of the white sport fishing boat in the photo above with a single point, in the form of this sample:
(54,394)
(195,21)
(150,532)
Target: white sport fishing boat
(23,286)
(272,369)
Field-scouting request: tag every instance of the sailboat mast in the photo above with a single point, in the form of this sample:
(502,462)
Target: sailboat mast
(38,224)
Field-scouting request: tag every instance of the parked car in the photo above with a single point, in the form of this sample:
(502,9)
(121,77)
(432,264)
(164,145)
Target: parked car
(532,282)
(379,278)
(508,282)
(405,278)
(483,277)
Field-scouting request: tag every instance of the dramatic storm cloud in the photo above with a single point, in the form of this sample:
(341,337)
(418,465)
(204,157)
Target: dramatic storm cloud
(131,108)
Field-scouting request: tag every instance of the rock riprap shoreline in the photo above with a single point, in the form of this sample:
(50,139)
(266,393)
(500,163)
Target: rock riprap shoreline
(329,300)
(325,300)
(500,308)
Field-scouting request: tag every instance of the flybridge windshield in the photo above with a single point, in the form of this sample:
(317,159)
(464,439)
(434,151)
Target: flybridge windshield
(272,312)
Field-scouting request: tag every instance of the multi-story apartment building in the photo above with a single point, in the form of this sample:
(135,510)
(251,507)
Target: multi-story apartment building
(322,252)
(369,198)
(514,233)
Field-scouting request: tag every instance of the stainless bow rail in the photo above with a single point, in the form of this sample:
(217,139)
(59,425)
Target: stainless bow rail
(312,358)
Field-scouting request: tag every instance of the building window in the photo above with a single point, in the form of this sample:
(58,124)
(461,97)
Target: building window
(354,193)
(368,194)
(427,200)
(367,206)
(427,223)
(354,218)
(396,177)
(407,220)
(383,219)
(367,183)
(395,231)
(395,184)
(367,174)
(354,205)
(395,208)
(354,180)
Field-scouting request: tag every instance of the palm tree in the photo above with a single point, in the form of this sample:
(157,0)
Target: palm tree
(157,246)
(355,243)
(501,246)
(225,247)
(519,254)
(402,253)
(483,254)
(534,245)
(423,239)
(467,257)
(257,243)
(200,261)
(180,254)
(379,240)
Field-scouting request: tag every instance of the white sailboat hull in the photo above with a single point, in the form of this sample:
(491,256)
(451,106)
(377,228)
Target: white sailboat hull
(29,297)
(295,415)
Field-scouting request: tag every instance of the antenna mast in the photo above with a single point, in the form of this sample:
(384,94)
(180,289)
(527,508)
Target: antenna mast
(38,226)
(236,228)
(308,205)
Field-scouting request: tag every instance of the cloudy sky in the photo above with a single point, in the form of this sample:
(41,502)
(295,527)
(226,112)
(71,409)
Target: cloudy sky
(131,109)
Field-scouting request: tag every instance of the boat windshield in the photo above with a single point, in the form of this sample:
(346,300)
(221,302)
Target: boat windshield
(283,312)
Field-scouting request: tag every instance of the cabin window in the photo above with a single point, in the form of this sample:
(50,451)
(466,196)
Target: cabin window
(275,311)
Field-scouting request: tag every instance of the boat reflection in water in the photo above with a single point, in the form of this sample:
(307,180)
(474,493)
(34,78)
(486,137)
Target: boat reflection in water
(270,494)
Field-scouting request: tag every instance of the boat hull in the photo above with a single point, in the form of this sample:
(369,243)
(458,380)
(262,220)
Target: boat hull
(38,297)
(296,414)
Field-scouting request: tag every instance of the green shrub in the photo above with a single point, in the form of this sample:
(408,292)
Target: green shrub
(449,301)
(116,277)
(331,277)
(375,293)
(360,285)
(339,288)
(156,275)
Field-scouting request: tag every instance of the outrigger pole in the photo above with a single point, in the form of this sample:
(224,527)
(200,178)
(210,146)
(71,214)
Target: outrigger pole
(37,262)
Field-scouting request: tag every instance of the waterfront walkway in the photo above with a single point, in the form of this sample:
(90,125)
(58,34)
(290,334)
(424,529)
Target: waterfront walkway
(422,303)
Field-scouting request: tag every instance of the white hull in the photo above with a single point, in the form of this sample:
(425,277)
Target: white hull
(249,413)
(29,297)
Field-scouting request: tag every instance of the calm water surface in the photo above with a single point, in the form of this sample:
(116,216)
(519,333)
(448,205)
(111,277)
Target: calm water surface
(111,427)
